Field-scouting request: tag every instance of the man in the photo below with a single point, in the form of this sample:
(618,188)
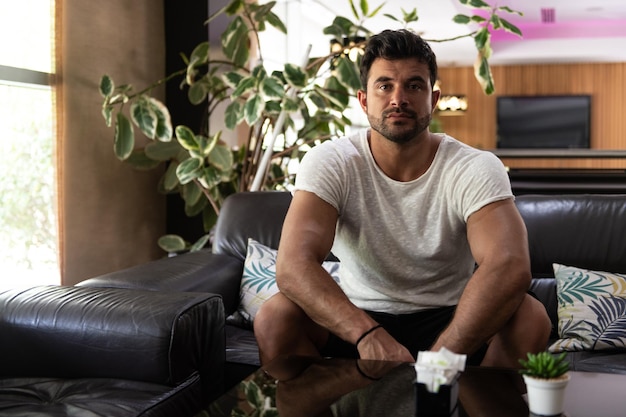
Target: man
(433,251)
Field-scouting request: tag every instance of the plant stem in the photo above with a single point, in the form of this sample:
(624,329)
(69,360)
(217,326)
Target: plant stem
(152,86)
(254,29)
(208,196)
(467,35)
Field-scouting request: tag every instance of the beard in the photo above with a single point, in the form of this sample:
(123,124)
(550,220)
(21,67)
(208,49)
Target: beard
(401,132)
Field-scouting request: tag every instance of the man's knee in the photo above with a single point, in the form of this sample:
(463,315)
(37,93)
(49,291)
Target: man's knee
(532,325)
(282,327)
(273,314)
(527,331)
(539,316)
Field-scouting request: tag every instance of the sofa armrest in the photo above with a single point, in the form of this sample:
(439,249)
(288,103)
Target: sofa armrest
(200,271)
(77,332)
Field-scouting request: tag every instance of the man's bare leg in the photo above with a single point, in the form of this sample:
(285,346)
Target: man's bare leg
(527,331)
(282,327)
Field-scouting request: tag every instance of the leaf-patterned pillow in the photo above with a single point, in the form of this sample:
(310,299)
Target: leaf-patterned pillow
(258,282)
(591,309)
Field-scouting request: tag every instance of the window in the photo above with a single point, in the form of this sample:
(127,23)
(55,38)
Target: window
(28,229)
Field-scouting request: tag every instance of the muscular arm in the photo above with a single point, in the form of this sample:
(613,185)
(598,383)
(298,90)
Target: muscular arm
(307,237)
(498,240)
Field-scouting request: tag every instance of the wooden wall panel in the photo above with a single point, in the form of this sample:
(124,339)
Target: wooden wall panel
(605,82)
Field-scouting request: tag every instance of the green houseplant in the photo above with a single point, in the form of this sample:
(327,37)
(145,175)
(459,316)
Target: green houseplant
(544,365)
(284,112)
(546,377)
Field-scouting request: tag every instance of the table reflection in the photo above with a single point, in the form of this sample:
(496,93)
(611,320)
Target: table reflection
(297,386)
(312,387)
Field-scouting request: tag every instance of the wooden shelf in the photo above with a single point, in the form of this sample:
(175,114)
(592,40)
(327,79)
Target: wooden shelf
(560,153)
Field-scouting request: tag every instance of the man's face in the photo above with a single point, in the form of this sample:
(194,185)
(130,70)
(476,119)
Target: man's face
(399,101)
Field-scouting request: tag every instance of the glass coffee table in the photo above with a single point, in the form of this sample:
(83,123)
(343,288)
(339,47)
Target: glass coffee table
(297,386)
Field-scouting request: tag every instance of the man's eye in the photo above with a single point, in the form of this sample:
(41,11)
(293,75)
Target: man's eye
(414,87)
(383,87)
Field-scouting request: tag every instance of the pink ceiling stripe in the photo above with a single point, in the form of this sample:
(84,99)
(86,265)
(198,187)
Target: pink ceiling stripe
(586,29)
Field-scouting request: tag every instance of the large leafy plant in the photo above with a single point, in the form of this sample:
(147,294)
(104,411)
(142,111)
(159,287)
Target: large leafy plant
(284,112)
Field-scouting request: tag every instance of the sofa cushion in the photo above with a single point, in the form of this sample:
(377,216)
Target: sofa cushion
(258,282)
(583,230)
(611,362)
(200,271)
(241,346)
(592,309)
(98,397)
(258,215)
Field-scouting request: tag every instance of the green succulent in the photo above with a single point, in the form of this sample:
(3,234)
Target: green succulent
(544,365)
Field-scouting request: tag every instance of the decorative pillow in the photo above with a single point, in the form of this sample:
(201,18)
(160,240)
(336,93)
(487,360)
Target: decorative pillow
(258,282)
(591,309)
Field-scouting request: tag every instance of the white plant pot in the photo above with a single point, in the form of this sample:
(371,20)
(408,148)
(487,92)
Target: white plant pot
(546,396)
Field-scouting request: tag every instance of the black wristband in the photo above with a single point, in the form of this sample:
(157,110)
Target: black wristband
(366,333)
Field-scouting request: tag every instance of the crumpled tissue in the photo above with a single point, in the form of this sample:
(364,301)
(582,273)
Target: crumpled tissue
(435,369)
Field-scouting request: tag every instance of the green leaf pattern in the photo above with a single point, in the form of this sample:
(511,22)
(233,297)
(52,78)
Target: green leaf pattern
(258,282)
(610,330)
(591,309)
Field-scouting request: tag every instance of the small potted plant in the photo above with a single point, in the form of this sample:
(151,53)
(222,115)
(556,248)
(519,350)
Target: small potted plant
(546,377)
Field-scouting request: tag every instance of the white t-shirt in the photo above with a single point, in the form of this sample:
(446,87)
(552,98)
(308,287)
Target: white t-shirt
(402,245)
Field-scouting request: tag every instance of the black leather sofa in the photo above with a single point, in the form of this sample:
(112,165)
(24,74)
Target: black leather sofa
(257,215)
(584,230)
(72,351)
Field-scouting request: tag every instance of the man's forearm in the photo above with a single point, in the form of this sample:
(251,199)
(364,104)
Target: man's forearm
(485,306)
(324,302)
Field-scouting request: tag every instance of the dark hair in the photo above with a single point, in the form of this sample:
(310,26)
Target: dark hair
(397,44)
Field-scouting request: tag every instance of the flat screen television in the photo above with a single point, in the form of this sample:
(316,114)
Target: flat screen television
(543,121)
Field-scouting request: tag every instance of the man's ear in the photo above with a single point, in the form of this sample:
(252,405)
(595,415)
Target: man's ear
(361,95)
(435,98)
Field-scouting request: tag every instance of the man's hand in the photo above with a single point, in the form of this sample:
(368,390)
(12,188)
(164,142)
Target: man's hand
(380,345)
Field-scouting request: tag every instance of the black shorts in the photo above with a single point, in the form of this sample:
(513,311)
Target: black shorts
(416,331)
